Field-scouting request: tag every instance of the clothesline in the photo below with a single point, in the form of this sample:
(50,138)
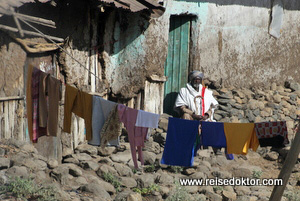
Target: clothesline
(60,47)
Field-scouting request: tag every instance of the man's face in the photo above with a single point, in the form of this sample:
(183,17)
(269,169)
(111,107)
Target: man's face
(196,82)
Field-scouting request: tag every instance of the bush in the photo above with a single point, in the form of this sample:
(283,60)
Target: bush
(179,193)
(256,174)
(108,177)
(146,191)
(25,188)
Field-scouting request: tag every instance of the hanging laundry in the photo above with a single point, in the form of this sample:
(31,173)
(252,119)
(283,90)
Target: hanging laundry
(29,101)
(147,119)
(49,97)
(212,134)
(272,133)
(80,103)
(97,121)
(179,147)
(37,131)
(107,107)
(136,134)
(112,127)
(240,137)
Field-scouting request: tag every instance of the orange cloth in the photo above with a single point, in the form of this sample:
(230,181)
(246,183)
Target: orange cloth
(240,137)
(29,101)
(81,104)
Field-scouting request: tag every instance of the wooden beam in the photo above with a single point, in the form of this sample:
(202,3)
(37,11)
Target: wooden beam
(287,167)
(17,23)
(8,28)
(37,20)
(12,98)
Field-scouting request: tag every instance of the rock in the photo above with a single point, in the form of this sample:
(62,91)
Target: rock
(2,152)
(273,86)
(242,172)
(204,153)
(271,156)
(247,198)
(253,104)
(189,171)
(192,189)
(213,196)
(60,173)
(164,191)
(165,179)
(128,182)
(123,170)
(4,163)
(52,163)
(198,175)
(106,151)
(149,157)
(29,148)
(74,170)
(228,195)
(160,138)
(224,101)
(294,86)
(67,152)
(277,98)
(163,124)
(35,164)
(82,157)
(152,147)
(106,169)
(71,160)
(81,181)
(123,195)
(121,157)
(89,165)
(85,148)
(18,171)
(242,190)
(145,180)
(134,197)
(96,189)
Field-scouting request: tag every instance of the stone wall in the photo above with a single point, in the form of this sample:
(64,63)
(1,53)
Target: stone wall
(275,103)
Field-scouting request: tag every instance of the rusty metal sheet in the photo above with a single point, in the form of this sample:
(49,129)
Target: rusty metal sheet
(138,5)
(6,5)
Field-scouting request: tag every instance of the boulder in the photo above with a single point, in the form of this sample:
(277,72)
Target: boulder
(85,148)
(97,190)
(4,163)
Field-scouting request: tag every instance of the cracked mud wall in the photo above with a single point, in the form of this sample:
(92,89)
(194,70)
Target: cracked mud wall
(134,50)
(231,43)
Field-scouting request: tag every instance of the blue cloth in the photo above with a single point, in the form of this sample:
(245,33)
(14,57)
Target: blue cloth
(212,134)
(97,121)
(179,147)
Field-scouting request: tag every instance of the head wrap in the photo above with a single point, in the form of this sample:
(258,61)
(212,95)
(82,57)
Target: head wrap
(194,74)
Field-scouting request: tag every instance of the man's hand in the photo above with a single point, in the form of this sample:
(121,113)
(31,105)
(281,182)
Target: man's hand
(197,117)
(200,117)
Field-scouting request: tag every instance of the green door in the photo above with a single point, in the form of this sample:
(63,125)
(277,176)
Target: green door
(177,62)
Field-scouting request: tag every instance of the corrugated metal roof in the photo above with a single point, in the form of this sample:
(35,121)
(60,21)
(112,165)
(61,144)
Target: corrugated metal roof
(138,5)
(6,5)
(133,5)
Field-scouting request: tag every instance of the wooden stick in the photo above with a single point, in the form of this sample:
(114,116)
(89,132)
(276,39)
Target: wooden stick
(287,167)
(17,23)
(37,20)
(12,98)
(8,28)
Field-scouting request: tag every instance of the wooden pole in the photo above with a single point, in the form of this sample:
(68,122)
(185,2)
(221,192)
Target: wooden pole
(8,28)
(287,168)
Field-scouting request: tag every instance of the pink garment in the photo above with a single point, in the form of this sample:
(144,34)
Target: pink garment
(136,134)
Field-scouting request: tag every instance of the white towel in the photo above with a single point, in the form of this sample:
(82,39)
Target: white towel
(147,119)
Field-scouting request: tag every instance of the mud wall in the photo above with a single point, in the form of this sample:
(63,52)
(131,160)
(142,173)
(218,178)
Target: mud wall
(231,43)
(134,49)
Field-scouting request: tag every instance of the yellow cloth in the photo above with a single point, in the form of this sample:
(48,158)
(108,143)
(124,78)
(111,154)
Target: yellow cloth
(240,137)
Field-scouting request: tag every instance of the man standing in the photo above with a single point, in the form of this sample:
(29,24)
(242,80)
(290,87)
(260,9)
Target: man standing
(195,101)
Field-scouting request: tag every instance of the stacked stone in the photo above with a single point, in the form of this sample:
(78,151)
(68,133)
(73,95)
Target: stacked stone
(277,103)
